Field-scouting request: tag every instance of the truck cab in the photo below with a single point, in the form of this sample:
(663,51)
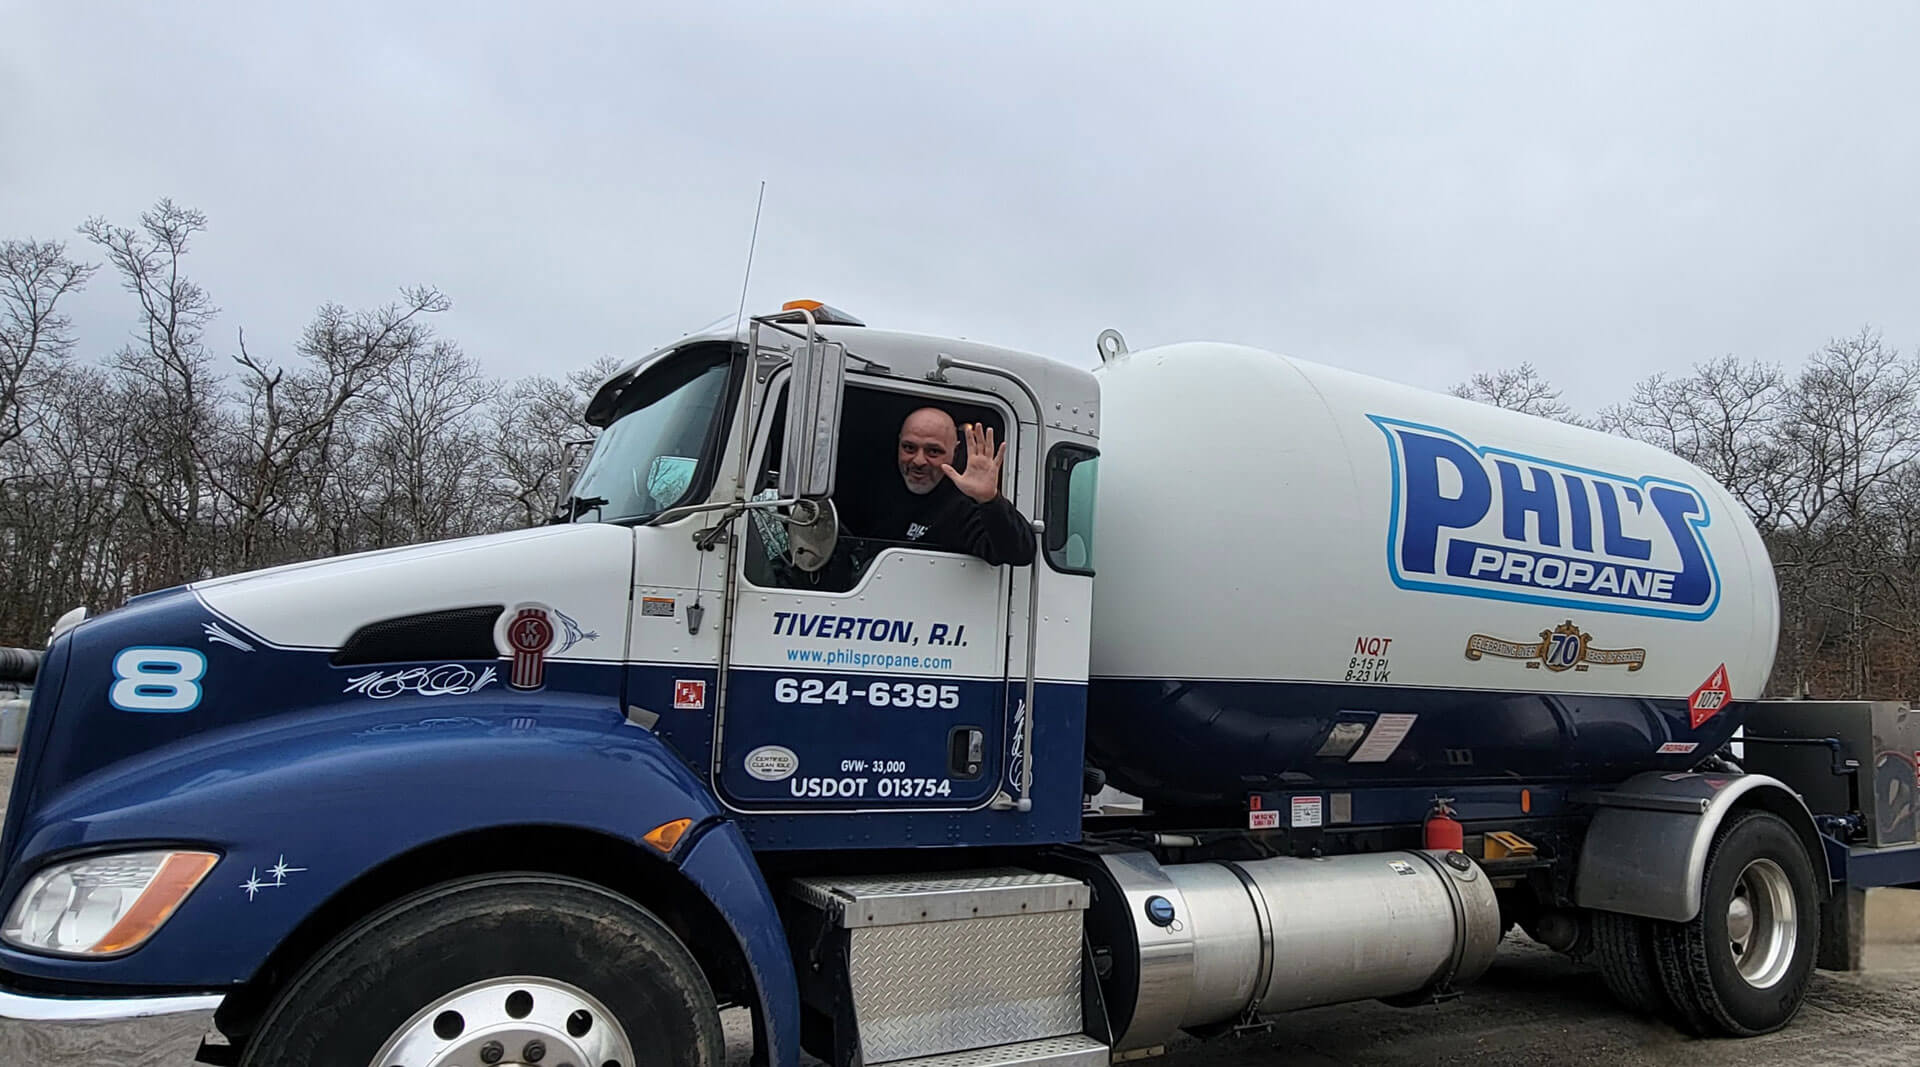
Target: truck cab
(709,656)
(803,660)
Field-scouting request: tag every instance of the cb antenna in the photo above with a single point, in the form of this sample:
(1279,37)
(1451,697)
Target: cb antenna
(696,610)
(740,315)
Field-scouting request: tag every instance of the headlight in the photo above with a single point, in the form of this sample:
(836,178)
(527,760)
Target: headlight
(103,905)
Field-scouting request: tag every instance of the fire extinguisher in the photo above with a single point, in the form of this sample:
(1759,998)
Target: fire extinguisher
(1443,830)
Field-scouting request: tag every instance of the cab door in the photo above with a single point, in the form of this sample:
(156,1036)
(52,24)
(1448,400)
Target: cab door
(880,681)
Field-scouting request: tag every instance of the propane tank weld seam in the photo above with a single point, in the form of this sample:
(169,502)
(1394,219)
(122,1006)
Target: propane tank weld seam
(1265,918)
(1442,982)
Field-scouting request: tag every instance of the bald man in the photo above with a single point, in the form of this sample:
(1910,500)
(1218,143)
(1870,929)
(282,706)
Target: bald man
(948,509)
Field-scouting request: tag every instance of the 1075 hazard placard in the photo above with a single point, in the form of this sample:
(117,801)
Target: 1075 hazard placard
(1713,694)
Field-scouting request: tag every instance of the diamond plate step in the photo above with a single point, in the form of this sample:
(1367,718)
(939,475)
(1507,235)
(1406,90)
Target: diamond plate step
(888,900)
(916,966)
(1077,1050)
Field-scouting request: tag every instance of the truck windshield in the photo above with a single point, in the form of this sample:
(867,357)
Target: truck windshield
(648,457)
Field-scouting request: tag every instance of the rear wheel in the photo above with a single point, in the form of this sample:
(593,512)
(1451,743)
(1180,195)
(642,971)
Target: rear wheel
(1623,951)
(503,969)
(1742,965)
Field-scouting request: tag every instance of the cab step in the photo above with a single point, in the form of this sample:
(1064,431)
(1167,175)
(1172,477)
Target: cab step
(916,969)
(1077,1050)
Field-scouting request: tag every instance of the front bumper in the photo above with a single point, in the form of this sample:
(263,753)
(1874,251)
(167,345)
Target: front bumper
(158,1030)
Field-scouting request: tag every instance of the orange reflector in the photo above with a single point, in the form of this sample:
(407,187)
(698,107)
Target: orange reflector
(1526,800)
(667,834)
(797,305)
(177,876)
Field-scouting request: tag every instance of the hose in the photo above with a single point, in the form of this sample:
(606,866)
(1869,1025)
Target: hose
(19,664)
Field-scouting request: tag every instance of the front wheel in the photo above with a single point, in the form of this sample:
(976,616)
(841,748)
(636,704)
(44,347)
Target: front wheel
(498,970)
(1742,965)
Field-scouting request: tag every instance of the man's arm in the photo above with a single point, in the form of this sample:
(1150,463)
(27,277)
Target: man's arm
(993,528)
(997,532)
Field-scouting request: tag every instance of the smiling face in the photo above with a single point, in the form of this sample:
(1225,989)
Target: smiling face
(927,440)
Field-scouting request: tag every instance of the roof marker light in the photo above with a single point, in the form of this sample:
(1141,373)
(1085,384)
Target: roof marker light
(823,314)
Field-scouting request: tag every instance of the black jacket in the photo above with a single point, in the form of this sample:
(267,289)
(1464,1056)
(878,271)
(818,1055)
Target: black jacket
(948,520)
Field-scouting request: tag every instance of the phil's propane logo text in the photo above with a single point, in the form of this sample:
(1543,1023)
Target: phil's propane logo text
(1482,522)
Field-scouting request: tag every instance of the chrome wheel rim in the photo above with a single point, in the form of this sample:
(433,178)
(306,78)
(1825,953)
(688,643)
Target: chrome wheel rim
(510,1022)
(1763,925)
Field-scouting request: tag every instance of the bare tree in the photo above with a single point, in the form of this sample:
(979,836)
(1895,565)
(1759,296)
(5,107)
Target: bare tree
(1519,388)
(290,423)
(1729,419)
(1857,424)
(34,276)
(175,397)
(429,462)
(538,426)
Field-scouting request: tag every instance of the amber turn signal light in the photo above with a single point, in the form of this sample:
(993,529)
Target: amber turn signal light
(667,834)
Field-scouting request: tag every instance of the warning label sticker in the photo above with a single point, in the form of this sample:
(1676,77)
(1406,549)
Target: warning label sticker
(1714,693)
(1385,737)
(660,607)
(1263,820)
(1306,811)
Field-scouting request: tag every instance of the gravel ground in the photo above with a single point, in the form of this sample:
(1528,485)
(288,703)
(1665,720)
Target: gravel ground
(1533,1007)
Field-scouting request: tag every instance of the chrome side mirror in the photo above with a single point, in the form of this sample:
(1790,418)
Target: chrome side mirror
(813,416)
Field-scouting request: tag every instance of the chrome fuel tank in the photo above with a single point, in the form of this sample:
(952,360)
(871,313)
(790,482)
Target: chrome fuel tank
(1213,942)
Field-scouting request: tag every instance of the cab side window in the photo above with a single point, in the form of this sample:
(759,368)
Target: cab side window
(866,477)
(1072,475)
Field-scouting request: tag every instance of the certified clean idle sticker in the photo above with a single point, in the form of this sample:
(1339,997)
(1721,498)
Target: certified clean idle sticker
(771,763)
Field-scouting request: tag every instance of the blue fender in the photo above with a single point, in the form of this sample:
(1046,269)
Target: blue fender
(299,807)
(722,865)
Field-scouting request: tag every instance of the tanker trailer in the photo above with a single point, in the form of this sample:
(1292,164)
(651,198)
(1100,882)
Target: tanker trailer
(1344,617)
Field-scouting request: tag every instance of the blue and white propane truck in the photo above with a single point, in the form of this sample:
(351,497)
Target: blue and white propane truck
(1391,673)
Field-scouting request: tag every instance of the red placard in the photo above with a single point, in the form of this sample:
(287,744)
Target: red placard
(1714,693)
(689,695)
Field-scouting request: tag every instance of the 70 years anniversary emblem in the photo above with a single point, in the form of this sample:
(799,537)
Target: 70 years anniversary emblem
(1565,647)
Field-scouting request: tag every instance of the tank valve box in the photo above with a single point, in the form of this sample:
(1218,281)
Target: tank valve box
(914,969)
(1842,756)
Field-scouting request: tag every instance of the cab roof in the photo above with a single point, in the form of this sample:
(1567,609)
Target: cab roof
(1069,395)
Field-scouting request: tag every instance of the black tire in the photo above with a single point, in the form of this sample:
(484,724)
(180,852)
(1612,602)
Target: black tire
(1622,949)
(364,986)
(1700,976)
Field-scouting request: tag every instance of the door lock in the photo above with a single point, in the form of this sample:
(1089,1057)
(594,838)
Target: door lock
(966,751)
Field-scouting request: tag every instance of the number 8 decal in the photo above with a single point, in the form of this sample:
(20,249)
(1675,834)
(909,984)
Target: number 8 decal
(157,679)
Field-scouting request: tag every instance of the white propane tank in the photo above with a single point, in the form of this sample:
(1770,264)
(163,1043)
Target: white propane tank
(1308,572)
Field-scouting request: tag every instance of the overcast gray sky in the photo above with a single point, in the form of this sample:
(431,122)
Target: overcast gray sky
(1412,191)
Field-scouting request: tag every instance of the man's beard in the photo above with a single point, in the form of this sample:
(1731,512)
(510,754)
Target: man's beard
(919,489)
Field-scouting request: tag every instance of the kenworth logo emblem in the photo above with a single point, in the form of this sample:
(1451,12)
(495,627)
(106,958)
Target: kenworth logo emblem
(1485,522)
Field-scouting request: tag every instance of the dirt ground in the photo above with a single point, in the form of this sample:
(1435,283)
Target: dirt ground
(1532,1008)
